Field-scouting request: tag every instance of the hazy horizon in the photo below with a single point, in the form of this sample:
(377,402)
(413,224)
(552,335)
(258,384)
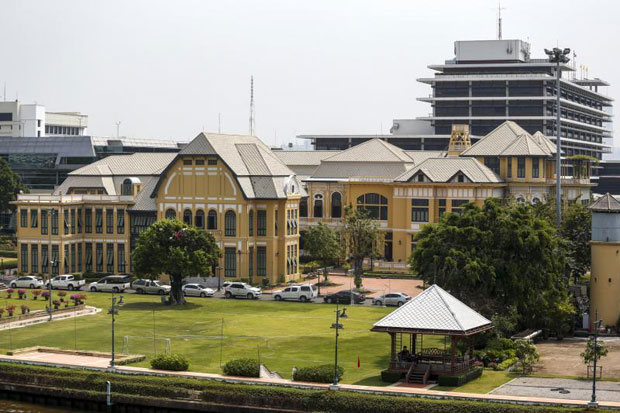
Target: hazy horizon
(167,69)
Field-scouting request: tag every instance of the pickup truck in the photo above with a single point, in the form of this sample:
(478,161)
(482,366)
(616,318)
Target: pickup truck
(150,287)
(66,281)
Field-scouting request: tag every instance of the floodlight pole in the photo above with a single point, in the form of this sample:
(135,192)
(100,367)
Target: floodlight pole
(52,211)
(113,311)
(339,314)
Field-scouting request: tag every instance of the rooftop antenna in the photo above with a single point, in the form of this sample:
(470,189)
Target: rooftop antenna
(118,128)
(499,20)
(252,124)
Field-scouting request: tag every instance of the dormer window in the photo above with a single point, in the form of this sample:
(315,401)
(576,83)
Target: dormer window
(421,178)
(460,178)
(126,187)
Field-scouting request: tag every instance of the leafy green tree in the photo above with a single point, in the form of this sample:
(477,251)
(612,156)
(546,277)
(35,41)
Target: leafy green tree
(10,186)
(362,235)
(495,258)
(322,243)
(174,248)
(577,231)
(526,352)
(590,353)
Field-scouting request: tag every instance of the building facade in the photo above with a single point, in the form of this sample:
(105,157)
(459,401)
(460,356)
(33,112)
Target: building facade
(21,120)
(232,186)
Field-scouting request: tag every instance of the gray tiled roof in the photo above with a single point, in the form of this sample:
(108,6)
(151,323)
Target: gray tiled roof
(443,169)
(303,158)
(434,310)
(142,163)
(606,203)
(252,159)
(421,156)
(144,202)
(199,146)
(375,150)
(509,139)
(369,169)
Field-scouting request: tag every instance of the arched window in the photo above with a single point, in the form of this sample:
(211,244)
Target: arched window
(126,187)
(303,207)
(521,199)
(230,224)
(374,204)
(199,221)
(171,214)
(212,219)
(318,206)
(187,217)
(251,223)
(336,205)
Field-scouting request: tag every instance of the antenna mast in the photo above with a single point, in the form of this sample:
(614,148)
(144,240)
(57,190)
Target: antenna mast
(252,121)
(499,20)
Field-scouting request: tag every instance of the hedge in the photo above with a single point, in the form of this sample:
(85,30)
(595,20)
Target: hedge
(455,381)
(391,376)
(506,363)
(242,368)
(8,253)
(9,263)
(81,382)
(318,374)
(173,362)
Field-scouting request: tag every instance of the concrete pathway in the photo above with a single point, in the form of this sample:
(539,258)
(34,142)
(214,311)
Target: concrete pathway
(559,389)
(51,359)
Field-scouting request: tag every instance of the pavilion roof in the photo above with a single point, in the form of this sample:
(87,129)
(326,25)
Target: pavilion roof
(434,311)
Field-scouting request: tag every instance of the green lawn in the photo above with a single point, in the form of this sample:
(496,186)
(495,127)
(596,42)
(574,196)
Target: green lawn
(489,380)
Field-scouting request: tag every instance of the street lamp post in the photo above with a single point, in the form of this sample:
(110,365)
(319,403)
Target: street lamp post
(557,56)
(52,211)
(337,326)
(113,311)
(597,324)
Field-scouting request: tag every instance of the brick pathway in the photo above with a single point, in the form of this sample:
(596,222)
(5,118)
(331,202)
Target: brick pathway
(76,362)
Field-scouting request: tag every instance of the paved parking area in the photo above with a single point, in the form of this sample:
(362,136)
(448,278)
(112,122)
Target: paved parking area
(559,389)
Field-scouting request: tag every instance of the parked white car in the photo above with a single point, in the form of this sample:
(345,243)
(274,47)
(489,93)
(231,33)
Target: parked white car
(150,287)
(397,299)
(197,290)
(27,281)
(112,283)
(66,281)
(303,293)
(242,290)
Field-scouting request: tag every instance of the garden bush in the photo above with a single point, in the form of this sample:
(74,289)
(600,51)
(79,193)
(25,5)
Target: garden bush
(318,374)
(8,253)
(242,367)
(390,376)
(174,362)
(506,363)
(455,381)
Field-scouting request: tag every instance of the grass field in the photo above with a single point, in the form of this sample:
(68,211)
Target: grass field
(489,380)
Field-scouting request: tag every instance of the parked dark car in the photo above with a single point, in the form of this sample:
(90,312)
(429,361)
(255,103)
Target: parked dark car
(344,297)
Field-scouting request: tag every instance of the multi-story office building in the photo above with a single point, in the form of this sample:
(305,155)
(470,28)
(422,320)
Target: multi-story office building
(23,120)
(489,82)
(232,186)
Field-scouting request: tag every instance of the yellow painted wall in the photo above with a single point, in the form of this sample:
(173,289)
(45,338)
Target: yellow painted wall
(605,282)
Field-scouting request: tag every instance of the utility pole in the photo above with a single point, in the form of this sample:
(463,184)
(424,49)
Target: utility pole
(52,211)
(558,56)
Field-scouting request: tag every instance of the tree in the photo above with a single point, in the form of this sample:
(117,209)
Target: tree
(526,352)
(577,231)
(322,243)
(10,186)
(174,248)
(495,258)
(363,238)
(589,353)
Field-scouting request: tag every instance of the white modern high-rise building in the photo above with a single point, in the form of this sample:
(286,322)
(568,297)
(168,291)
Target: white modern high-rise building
(31,120)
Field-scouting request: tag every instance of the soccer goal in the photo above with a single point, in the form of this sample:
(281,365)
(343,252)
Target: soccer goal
(146,345)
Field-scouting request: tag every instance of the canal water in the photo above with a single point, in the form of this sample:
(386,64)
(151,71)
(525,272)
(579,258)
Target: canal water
(9,406)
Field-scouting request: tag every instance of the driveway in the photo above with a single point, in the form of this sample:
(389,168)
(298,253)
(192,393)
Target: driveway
(377,285)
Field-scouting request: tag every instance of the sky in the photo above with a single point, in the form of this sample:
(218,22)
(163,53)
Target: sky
(171,69)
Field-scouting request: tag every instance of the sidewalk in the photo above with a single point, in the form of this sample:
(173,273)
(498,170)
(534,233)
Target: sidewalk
(81,362)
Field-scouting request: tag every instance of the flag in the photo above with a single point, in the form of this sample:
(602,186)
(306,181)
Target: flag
(358,362)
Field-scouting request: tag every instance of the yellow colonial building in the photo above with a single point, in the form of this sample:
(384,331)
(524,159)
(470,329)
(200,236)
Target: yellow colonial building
(232,186)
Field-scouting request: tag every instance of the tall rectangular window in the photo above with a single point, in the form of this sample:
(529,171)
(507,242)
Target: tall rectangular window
(55,259)
(457,205)
(24,258)
(99,221)
(109,257)
(419,210)
(520,167)
(79,221)
(23,218)
(509,172)
(230,262)
(442,207)
(73,258)
(275,226)
(251,261)
(120,221)
(535,167)
(54,213)
(492,162)
(65,267)
(261,261)
(295,259)
(34,221)
(88,221)
(65,215)
(109,221)
(99,258)
(261,223)
(251,223)
(44,228)
(121,258)
(34,258)
(73,221)
(44,259)
(79,257)
(88,257)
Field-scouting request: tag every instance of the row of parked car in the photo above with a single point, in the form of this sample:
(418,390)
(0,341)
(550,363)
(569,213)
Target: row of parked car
(120,283)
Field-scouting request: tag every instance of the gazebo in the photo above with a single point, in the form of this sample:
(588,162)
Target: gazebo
(433,312)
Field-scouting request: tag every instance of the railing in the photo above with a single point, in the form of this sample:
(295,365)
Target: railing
(74,198)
